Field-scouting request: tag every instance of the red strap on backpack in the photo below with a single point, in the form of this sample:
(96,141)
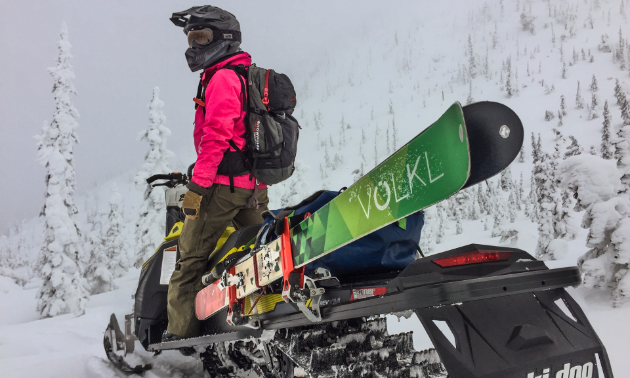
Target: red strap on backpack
(199,102)
(265,99)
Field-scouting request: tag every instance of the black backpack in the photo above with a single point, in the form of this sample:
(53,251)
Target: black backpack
(271,130)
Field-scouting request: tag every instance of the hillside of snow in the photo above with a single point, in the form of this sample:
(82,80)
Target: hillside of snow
(373,90)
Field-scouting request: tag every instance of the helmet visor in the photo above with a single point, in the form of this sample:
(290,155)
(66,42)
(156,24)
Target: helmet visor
(202,36)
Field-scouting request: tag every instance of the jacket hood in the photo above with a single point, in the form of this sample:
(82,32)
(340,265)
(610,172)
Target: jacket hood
(240,58)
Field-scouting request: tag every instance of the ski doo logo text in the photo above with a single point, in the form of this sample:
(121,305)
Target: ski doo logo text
(412,178)
(568,371)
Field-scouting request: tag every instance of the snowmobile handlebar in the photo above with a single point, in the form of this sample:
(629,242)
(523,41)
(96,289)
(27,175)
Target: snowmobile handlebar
(174,179)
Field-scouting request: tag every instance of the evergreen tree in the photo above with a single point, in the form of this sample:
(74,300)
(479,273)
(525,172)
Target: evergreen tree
(521,154)
(625,112)
(579,102)
(394,135)
(620,52)
(64,289)
(441,222)
(562,106)
(545,194)
(619,94)
(150,226)
(429,230)
(115,242)
(622,152)
(594,114)
(506,179)
(481,200)
(574,148)
(472,63)
(475,210)
(607,148)
(594,85)
(97,274)
(512,207)
(470,98)
(521,193)
(4,256)
(14,255)
(535,150)
(498,220)
(508,81)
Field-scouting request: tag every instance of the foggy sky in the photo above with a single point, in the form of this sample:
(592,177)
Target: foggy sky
(122,49)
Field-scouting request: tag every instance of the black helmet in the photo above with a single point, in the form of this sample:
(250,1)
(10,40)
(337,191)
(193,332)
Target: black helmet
(225,36)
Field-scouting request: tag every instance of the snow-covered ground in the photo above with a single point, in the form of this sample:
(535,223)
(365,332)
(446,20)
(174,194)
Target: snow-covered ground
(373,90)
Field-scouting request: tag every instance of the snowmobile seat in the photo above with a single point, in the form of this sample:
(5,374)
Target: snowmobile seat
(234,243)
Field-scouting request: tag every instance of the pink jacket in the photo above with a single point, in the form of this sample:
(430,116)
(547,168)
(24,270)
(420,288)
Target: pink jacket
(224,120)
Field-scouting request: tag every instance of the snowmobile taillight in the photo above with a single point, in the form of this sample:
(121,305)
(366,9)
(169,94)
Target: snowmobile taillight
(473,257)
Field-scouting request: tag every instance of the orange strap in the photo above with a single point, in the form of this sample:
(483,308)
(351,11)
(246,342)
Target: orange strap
(199,102)
(265,99)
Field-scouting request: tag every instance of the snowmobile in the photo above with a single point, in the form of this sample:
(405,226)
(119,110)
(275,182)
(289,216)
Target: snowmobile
(490,311)
(506,315)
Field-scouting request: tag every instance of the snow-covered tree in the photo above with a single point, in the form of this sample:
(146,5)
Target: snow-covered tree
(150,226)
(594,86)
(4,255)
(115,241)
(441,222)
(64,288)
(15,261)
(508,82)
(619,94)
(579,102)
(521,155)
(512,207)
(499,219)
(472,62)
(625,111)
(506,179)
(97,274)
(622,152)
(607,148)
(593,107)
(574,148)
(429,230)
(546,206)
(596,183)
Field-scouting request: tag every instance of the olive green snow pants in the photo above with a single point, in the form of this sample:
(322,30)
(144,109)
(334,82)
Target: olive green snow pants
(198,239)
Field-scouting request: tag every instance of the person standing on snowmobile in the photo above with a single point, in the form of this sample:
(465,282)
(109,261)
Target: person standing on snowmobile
(213,200)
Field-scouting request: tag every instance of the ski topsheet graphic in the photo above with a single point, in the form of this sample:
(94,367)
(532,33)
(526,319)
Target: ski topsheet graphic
(431,167)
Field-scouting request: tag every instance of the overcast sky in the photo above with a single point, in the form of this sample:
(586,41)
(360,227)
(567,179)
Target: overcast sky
(122,49)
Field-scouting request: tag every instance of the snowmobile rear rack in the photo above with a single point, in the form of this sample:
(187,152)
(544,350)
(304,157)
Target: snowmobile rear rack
(401,295)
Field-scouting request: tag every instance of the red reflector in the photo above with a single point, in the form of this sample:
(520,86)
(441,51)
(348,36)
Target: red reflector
(473,257)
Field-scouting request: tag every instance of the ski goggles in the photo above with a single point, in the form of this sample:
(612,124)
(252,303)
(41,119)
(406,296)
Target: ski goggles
(200,36)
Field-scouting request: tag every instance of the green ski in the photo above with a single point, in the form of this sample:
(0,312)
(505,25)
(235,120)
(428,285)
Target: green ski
(431,167)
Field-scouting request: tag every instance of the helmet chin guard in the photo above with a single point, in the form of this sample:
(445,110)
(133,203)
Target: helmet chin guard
(226,32)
